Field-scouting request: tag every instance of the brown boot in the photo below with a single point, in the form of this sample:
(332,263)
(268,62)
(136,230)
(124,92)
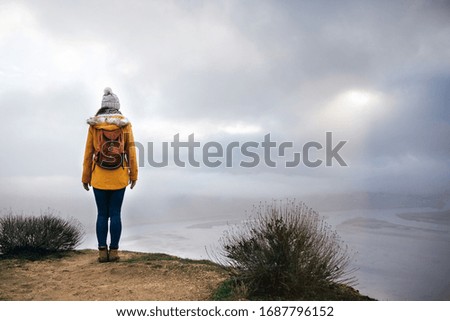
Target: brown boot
(114,255)
(102,254)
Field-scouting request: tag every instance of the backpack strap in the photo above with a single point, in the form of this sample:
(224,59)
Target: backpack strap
(98,133)
(99,137)
(122,146)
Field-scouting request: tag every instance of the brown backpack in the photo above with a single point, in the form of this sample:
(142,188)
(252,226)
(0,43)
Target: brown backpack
(110,153)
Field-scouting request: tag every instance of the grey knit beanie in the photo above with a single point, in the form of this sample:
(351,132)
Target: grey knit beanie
(110,99)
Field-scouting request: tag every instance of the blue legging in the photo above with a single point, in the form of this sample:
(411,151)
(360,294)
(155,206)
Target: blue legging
(109,204)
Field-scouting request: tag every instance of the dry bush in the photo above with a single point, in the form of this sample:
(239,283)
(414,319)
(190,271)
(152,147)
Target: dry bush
(285,250)
(42,234)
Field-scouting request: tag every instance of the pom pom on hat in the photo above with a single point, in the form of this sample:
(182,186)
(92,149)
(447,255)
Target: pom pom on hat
(110,99)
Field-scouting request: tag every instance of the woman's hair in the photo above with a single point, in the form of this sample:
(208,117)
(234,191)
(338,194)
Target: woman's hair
(107,111)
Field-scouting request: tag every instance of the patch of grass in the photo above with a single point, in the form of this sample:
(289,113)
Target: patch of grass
(147,257)
(233,290)
(152,257)
(230,290)
(224,292)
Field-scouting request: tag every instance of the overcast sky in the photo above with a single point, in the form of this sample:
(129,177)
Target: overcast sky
(374,73)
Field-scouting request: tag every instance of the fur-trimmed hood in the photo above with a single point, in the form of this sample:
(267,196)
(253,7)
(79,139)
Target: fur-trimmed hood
(108,120)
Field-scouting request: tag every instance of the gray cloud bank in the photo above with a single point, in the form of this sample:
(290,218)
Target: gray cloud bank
(376,74)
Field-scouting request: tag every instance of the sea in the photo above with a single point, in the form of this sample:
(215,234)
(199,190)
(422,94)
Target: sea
(398,254)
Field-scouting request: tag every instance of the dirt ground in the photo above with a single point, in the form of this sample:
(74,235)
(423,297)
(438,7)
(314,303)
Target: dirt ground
(78,276)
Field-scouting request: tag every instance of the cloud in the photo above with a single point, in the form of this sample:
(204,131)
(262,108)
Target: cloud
(376,74)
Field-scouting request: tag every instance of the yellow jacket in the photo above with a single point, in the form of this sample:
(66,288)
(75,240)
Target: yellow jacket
(109,179)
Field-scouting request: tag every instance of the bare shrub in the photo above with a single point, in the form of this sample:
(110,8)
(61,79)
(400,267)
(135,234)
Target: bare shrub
(285,250)
(46,233)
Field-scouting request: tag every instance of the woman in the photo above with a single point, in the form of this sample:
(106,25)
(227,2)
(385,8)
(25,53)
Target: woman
(109,166)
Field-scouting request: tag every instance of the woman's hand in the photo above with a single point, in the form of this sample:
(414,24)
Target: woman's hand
(86,186)
(132,184)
